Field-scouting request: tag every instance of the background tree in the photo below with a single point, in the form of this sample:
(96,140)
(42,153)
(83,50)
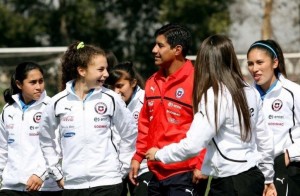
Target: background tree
(125,27)
(266,30)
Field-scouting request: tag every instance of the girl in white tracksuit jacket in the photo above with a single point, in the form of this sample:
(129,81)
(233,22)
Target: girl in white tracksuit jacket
(22,166)
(229,122)
(281,108)
(84,112)
(125,80)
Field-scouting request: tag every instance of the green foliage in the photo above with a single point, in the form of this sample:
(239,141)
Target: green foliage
(125,27)
(203,17)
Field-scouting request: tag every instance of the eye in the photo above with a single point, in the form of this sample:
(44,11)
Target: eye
(250,63)
(119,85)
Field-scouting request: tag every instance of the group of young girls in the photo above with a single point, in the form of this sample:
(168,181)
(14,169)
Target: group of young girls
(81,141)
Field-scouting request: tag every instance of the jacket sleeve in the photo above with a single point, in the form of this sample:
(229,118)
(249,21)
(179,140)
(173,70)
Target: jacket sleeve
(126,126)
(141,142)
(201,132)
(294,149)
(3,146)
(265,145)
(48,141)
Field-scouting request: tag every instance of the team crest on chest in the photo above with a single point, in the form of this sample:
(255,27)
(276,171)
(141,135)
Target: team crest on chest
(136,115)
(179,93)
(277,105)
(37,117)
(100,108)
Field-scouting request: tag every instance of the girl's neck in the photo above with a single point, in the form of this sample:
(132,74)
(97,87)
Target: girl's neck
(81,90)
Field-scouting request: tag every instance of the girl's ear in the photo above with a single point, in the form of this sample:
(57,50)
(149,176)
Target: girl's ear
(275,64)
(81,71)
(19,84)
(133,83)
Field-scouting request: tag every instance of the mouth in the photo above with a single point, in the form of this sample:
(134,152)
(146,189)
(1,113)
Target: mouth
(256,77)
(101,81)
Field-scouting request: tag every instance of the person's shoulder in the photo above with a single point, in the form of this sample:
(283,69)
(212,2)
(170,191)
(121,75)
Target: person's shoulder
(109,92)
(290,85)
(115,96)
(140,94)
(58,96)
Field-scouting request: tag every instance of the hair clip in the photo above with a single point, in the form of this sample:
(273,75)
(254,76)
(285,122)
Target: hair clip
(80,45)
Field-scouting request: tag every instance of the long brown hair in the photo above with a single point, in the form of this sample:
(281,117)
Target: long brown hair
(217,65)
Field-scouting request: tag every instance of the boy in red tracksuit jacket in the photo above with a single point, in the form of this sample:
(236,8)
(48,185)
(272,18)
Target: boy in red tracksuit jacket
(167,114)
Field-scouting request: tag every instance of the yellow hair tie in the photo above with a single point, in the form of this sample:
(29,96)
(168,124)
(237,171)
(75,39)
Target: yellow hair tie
(80,45)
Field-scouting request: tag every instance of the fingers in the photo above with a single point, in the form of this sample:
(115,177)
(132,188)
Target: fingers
(195,180)
(133,174)
(61,183)
(34,183)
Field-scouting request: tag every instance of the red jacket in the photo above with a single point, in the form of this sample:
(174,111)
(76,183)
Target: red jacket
(165,118)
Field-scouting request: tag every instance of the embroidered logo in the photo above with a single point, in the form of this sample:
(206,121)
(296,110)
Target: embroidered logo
(70,108)
(37,117)
(147,183)
(11,116)
(281,180)
(152,88)
(277,105)
(179,93)
(100,108)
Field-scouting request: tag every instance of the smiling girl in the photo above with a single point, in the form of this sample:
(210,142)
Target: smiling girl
(85,112)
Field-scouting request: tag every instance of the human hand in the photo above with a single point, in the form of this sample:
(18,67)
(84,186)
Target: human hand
(133,174)
(197,176)
(286,159)
(150,154)
(270,190)
(34,183)
(61,183)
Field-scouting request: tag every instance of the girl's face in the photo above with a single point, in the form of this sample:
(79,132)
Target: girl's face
(96,72)
(125,88)
(33,86)
(261,66)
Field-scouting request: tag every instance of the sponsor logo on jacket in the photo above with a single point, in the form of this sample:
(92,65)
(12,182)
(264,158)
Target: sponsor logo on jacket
(10,141)
(67,118)
(9,126)
(69,134)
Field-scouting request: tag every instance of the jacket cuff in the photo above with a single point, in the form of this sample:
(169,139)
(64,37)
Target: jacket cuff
(138,157)
(42,175)
(293,152)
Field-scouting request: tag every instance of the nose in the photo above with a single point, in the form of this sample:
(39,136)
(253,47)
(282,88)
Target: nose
(38,85)
(154,49)
(117,90)
(255,67)
(105,74)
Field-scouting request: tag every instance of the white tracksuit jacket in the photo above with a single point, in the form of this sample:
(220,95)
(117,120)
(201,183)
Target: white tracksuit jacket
(281,108)
(20,151)
(135,105)
(89,156)
(226,154)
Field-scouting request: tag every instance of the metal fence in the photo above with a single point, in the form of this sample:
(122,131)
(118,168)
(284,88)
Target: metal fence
(292,63)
